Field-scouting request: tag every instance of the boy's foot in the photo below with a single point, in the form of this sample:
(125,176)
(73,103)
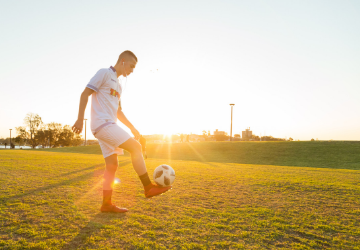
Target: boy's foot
(111,208)
(153,190)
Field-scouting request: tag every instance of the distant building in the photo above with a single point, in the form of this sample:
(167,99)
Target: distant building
(247,134)
(221,135)
(217,132)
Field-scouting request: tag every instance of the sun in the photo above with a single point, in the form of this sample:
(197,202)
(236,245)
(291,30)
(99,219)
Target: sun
(167,135)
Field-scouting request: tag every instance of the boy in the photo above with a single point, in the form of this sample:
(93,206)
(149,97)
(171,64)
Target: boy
(105,90)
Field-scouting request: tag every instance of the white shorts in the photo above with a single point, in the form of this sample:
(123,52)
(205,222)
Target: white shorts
(110,138)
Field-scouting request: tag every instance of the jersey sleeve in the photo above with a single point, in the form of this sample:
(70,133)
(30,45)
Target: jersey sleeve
(97,80)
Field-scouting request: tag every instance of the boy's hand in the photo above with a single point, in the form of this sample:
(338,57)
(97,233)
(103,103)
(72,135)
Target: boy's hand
(78,126)
(135,133)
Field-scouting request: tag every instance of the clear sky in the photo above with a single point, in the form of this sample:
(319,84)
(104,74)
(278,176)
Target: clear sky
(292,68)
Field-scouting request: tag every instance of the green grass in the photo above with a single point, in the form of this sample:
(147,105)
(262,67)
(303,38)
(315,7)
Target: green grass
(226,196)
(334,154)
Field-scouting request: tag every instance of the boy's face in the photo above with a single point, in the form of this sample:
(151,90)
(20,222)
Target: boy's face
(129,66)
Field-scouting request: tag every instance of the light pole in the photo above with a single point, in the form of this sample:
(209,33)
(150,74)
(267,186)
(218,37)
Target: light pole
(232,105)
(85,131)
(10,138)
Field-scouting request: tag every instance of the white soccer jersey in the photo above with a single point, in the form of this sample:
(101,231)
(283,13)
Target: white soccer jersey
(105,99)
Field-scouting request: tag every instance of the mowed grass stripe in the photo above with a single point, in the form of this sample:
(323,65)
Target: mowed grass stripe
(322,154)
(51,200)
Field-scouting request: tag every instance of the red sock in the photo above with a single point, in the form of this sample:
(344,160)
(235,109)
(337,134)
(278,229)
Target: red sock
(107,197)
(145,180)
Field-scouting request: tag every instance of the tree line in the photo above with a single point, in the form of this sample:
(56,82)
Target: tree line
(36,133)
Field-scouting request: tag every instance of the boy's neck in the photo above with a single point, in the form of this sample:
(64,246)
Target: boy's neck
(118,69)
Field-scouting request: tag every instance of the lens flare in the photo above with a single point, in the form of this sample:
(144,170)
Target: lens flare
(116,181)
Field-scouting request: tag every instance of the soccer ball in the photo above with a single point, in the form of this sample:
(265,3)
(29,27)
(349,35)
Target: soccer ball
(164,175)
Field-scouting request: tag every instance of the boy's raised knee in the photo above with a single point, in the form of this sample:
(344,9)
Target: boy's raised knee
(136,148)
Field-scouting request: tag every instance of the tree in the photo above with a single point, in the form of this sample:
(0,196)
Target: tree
(65,137)
(23,134)
(5,140)
(255,137)
(19,140)
(68,138)
(291,139)
(41,137)
(76,140)
(33,121)
(54,133)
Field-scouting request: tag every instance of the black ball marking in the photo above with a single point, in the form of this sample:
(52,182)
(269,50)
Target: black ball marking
(166,181)
(158,174)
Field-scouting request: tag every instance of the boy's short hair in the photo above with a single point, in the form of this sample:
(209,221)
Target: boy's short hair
(127,54)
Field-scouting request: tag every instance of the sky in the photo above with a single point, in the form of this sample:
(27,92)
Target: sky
(290,67)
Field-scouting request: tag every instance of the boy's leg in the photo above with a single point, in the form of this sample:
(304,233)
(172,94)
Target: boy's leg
(110,170)
(134,148)
(109,177)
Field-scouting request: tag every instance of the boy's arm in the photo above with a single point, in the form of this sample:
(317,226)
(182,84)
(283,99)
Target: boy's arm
(125,121)
(78,126)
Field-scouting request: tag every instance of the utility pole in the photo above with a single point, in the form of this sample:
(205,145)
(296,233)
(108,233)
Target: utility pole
(85,131)
(10,138)
(232,105)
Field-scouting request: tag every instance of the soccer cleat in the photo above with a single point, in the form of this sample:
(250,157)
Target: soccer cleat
(111,208)
(153,190)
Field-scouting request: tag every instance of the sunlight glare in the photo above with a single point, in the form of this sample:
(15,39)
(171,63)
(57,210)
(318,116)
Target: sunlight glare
(116,181)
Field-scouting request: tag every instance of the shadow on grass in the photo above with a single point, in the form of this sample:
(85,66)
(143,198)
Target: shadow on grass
(121,164)
(78,171)
(93,149)
(96,224)
(97,171)
(55,185)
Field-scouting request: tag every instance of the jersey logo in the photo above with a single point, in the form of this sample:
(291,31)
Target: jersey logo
(113,92)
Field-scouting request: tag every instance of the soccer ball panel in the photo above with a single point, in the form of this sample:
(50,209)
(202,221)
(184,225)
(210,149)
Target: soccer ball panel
(158,174)
(166,180)
(164,175)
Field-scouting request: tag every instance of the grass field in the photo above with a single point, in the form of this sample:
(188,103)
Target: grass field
(268,195)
